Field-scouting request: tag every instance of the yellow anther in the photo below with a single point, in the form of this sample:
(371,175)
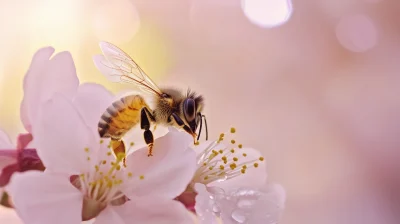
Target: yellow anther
(118,167)
(197,143)
(244,154)
(96,168)
(244,167)
(113,177)
(221,151)
(109,184)
(221,135)
(221,167)
(101,141)
(214,152)
(141,177)
(255,165)
(243,171)
(130,174)
(225,161)
(109,153)
(261,158)
(240,146)
(86,149)
(204,164)
(235,159)
(103,162)
(112,164)
(232,150)
(224,158)
(132,143)
(233,166)
(233,141)
(206,178)
(233,130)
(210,168)
(120,156)
(88,158)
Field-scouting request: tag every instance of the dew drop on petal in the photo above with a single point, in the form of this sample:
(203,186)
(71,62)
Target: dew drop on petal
(245,203)
(239,216)
(356,33)
(216,209)
(267,13)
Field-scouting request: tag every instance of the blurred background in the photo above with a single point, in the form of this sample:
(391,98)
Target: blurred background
(313,84)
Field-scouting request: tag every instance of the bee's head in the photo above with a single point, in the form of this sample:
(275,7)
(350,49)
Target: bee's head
(192,106)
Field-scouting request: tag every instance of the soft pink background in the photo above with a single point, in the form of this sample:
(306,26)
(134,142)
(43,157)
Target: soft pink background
(318,95)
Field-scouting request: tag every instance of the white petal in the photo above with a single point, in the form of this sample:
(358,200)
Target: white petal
(43,80)
(44,198)
(61,136)
(148,210)
(250,205)
(168,172)
(205,205)
(92,101)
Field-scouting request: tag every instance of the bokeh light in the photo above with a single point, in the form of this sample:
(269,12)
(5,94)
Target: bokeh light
(267,13)
(356,33)
(116,21)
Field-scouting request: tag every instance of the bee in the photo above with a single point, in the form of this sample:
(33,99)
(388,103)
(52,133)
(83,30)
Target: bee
(172,107)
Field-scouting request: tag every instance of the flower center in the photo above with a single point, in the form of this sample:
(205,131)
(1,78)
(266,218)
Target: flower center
(101,186)
(223,159)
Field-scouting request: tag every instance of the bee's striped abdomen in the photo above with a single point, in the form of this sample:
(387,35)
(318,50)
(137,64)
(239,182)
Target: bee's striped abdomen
(121,116)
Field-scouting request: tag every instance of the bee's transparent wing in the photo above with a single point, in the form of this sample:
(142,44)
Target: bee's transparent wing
(118,66)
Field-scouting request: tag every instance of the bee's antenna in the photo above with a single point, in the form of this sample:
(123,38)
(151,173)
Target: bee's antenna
(201,125)
(205,122)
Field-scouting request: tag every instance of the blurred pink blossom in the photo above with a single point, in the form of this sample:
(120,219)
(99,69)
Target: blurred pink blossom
(15,159)
(84,181)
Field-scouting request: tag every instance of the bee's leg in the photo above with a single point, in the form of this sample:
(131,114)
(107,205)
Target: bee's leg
(179,121)
(118,147)
(145,117)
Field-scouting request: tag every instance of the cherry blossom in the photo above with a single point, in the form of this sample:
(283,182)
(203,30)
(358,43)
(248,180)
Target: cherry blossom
(84,180)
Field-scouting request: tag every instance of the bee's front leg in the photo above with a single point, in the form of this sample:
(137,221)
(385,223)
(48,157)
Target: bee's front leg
(145,117)
(180,122)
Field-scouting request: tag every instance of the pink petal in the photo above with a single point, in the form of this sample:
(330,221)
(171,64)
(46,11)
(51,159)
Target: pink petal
(168,172)
(252,205)
(23,140)
(46,78)
(135,136)
(61,137)
(5,142)
(37,66)
(45,198)
(92,101)
(9,216)
(149,210)
(205,205)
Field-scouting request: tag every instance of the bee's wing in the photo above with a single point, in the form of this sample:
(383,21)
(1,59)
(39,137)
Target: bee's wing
(120,67)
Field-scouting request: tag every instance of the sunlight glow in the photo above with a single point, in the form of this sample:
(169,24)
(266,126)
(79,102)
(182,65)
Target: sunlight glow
(116,21)
(267,13)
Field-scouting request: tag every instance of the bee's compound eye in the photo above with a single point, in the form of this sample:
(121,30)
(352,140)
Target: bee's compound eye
(189,109)
(164,95)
